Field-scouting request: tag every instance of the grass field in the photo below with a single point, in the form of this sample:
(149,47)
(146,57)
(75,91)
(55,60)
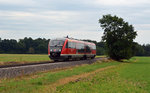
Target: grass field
(22,58)
(132,77)
(108,77)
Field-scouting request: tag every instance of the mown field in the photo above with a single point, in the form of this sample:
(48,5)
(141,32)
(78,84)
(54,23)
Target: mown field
(107,77)
(22,58)
(6,59)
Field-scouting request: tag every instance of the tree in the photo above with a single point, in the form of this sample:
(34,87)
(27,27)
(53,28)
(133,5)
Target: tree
(139,50)
(147,49)
(118,36)
(1,50)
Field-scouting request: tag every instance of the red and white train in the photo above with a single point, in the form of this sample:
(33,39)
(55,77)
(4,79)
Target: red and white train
(66,48)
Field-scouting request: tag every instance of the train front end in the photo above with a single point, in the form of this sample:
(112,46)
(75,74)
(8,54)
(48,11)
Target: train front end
(55,48)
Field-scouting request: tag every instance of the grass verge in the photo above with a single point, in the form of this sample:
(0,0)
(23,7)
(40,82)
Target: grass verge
(41,82)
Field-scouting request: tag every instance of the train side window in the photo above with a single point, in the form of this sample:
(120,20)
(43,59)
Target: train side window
(88,49)
(91,47)
(71,45)
(94,47)
(80,47)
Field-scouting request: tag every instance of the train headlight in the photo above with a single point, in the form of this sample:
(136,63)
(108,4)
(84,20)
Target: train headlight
(59,50)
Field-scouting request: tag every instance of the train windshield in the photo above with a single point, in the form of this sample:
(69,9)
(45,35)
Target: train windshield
(56,43)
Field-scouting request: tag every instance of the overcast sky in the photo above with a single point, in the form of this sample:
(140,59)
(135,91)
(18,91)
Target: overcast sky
(76,18)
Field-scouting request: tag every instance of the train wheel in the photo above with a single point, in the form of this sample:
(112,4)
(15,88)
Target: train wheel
(69,57)
(66,59)
(77,59)
(84,57)
(93,57)
(55,60)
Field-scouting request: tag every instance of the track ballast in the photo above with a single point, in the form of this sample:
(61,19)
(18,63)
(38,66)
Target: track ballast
(24,69)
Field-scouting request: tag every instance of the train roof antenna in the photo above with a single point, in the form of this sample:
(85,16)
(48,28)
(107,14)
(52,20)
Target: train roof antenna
(67,36)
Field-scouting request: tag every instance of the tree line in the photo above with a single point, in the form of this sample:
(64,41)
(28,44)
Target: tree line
(40,46)
(24,46)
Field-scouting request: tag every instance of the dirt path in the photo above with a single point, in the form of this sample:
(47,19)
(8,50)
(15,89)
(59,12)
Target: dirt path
(75,78)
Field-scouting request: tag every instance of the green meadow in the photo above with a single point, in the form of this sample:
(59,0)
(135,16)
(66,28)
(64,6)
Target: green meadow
(130,76)
(22,58)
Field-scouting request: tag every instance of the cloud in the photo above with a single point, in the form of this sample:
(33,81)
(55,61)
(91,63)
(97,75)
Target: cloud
(76,18)
(121,2)
(80,34)
(18,2)
(143,37)
(44,20)
(144,27)
(53,15)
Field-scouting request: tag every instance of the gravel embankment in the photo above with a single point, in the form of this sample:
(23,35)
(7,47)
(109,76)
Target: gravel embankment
(29,69)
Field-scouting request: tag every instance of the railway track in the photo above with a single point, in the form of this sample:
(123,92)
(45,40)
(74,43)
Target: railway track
(26,64)
(9,71)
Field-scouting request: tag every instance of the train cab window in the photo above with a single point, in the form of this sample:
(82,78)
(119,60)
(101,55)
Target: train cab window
(56,43)
(66,45)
